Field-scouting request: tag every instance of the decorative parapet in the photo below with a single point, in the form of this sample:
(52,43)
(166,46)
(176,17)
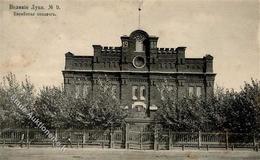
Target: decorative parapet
(111,50)
(166,50)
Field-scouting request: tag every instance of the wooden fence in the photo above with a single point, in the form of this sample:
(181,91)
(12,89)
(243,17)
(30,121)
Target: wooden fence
(129,139)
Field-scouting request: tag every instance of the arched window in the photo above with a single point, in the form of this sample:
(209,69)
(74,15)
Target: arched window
(139,42)
(139,47)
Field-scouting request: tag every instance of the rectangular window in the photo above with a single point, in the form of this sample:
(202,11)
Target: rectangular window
(198,92)
(142,93)
(134,92)
(67,81)
(114,91)
(151,45)
(85,90)
(191,91)
(77,92)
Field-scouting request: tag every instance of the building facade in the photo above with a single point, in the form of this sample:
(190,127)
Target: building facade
(136,68)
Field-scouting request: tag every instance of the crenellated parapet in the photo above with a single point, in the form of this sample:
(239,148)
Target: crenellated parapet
(111,50)
(98,49)
(166,51)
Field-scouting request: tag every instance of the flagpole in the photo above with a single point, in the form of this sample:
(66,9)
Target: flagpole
(139,17)
(139,13)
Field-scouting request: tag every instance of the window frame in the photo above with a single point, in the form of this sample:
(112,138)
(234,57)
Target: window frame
(134,92)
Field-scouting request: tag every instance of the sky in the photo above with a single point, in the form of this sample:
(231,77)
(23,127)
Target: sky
(36,45)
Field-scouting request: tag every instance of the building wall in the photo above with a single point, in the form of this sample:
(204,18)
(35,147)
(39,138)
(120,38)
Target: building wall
(139,63)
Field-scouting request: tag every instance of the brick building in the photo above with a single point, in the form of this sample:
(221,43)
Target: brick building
(136,68)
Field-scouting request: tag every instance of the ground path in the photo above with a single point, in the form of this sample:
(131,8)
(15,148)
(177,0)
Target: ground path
(120,154)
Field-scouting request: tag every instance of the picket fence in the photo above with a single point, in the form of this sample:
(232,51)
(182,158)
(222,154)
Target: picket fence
(129,139)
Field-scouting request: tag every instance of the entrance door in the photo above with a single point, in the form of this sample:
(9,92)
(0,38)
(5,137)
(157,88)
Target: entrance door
(139,110)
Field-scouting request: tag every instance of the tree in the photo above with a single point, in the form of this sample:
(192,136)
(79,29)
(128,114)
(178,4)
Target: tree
(50,105)
(105,109)
(58,109)
(243,114)
(216,107)
(225,110)
(13,95)
(184,114)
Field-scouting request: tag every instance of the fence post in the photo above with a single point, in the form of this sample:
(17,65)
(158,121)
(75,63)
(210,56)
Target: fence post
(170,139)
(155,139)
(83,138)
(254,142)
(1,133)
(141,139)
(111,138)
(226,137)
(12,136)
(126,135)
(103,145)
(27,136)
(56,137)
(29,145)
(2,137)
(199,139)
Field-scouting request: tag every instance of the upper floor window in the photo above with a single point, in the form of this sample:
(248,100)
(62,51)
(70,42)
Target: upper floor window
(85,90)
(142,93)
(152,44)
(114,91)
(191,91)
(198,91)
(134,92)
(77,91)
(138,93)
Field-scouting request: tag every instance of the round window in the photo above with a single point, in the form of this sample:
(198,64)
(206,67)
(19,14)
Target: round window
(139,62)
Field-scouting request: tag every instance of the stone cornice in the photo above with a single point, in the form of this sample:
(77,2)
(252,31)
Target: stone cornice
(143,72)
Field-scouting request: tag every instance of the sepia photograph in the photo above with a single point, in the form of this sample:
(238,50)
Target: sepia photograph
(129,79)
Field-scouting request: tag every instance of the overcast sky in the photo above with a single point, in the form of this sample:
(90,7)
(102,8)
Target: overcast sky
(226,29)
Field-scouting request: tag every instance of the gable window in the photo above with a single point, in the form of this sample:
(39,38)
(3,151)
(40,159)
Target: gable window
(139,47)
